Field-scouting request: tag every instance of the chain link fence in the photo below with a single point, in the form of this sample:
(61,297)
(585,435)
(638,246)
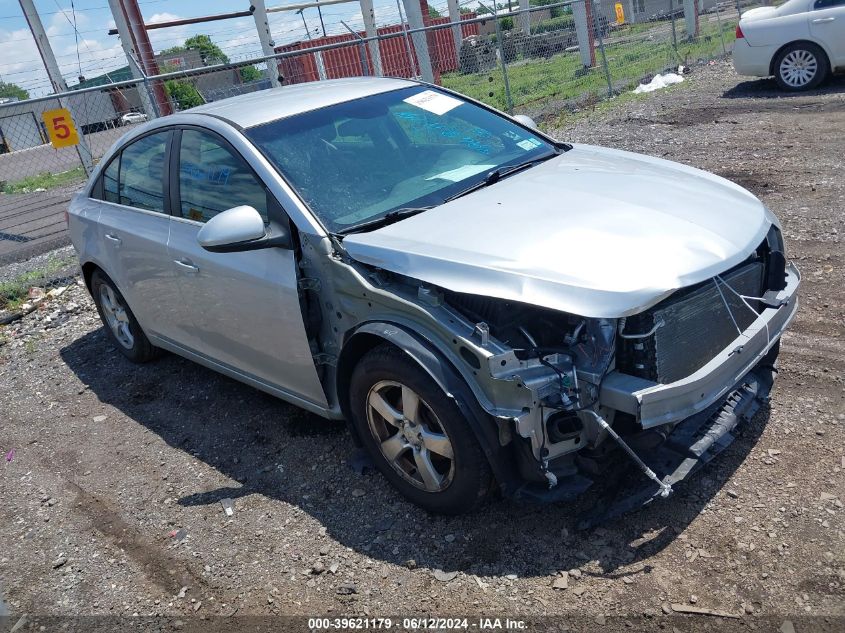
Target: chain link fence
(541,62)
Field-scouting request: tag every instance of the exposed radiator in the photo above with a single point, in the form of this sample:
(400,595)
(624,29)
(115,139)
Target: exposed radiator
(697,326)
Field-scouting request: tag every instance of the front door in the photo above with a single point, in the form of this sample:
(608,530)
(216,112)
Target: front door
(243,308)
(827,25)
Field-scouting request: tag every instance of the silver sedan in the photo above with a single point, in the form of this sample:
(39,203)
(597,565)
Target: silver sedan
(487,307)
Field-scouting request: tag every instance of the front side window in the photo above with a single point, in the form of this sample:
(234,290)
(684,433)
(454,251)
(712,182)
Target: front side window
(212,179)
(142,166)
(415,147)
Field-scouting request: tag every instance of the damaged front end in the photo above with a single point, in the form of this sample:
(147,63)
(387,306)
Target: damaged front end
(662,390)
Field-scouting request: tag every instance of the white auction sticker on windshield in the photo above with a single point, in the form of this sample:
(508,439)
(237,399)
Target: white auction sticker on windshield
(529,144)
(461,173)
(434,102)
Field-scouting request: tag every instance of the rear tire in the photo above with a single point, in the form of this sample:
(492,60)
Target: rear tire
(801,66)
(119,322)
(416,434)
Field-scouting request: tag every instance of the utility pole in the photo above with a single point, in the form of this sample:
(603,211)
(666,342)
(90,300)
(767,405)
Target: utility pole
(127,43)
(146,57)
(268,46)
(55,75)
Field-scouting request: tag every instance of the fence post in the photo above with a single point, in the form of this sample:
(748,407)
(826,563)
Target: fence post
(262,25)
(597,29)
(674,32)
(457,35)
(525,16)
(415,20)
(721,32)
(691,18)
(369,16)
(584,33)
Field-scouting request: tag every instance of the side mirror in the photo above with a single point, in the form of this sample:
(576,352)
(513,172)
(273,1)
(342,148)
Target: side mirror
(239,229)
(527,121)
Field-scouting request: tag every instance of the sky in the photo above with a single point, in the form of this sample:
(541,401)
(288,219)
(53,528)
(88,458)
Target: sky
(78,33)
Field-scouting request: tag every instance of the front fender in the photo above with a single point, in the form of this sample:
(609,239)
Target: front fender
(485,428)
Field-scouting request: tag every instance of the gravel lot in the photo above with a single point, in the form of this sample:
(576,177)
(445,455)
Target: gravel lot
(110,504)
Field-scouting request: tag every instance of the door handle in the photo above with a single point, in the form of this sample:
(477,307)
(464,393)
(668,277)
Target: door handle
(113,238)
(186,265)
(820,20)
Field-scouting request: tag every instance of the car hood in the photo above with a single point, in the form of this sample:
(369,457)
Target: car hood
(594,232)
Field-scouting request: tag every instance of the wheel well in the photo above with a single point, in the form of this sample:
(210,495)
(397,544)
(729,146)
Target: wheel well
(351,353)
(88,269)
(781,49)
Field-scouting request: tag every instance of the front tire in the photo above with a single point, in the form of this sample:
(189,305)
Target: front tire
(800,66)
(416,434)
(120,323)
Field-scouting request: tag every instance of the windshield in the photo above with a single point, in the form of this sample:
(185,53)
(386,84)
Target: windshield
(357,161)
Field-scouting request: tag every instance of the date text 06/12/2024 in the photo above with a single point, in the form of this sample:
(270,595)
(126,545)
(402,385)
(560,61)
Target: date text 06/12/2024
(417,624)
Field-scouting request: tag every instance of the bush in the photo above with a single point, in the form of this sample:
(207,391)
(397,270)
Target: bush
(563,23)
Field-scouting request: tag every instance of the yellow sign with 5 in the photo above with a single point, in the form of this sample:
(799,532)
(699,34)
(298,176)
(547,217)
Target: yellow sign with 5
(60,127)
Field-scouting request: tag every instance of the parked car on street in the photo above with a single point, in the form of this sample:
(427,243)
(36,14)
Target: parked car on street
(800,42)
(487,307)
(133,117)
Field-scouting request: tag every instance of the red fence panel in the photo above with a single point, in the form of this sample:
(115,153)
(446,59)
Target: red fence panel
(345,61)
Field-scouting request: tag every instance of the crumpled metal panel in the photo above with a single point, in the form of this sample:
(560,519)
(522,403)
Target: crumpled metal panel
(595,232)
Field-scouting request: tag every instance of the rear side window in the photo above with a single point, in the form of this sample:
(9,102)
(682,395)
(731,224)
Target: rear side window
(110,179)
(142,166)
(212,179)
(827,4)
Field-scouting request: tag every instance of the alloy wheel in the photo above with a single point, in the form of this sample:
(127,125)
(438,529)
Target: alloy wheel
(116,315)
(410,436)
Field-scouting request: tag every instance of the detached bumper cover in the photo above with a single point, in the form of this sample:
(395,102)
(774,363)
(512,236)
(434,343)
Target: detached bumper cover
(658,404)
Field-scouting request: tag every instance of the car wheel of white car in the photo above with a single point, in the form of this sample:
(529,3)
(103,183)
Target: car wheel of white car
(120,323)
(800,66)
(416,434)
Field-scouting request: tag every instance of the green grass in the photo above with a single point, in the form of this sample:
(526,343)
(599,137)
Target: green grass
(13,293)
(561,77)
(45,180)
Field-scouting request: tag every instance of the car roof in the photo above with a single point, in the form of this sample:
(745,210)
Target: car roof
(263,106)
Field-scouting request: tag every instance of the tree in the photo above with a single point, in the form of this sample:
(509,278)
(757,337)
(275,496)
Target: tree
(250,74)
(183,93)
(209,52)
(555,12)
(464,10)
(433,13)
(12,90)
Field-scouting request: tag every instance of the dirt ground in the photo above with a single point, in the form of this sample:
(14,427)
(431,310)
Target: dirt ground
(110,492)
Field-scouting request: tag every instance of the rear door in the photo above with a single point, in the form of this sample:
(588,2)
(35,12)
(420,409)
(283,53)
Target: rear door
(827,25)
(243,308)
(134,227)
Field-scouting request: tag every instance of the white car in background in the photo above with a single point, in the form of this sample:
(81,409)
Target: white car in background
(800,42)
(133,117)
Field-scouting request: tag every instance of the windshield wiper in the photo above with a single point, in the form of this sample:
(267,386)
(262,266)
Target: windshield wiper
(388,218)
(497,174)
